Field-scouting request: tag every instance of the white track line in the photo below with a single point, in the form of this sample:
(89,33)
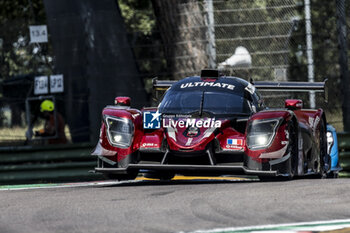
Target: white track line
(65,185)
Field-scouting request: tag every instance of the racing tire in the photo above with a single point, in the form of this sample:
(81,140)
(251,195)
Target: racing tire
(322,171)
(332,175)
(293,149)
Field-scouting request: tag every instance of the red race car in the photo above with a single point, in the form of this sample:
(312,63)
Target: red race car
(214,125)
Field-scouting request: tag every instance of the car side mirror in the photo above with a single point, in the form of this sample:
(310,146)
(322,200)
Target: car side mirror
(293,104)
(122,101)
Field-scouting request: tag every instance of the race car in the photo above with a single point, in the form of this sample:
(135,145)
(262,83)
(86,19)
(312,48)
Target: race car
(332,150)
(214,125)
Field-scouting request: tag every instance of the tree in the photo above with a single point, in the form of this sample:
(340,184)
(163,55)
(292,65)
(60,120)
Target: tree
(181,25)
(325,54)
(96,60)
(17,55)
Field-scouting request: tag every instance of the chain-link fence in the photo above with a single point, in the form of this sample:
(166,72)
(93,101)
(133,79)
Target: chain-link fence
(259,40)
(262,29)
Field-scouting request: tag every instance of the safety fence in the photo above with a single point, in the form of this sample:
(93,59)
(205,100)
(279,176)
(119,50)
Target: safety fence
(73,163)
(28,164)
(344,153)
(260,39)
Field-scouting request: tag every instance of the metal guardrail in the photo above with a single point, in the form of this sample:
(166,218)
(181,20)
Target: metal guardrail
(29,164)
(344,153)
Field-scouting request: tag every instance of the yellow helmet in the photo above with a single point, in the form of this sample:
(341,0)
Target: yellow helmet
(47,105)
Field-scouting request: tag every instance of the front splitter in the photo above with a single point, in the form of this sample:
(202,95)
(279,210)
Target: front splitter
(189,169)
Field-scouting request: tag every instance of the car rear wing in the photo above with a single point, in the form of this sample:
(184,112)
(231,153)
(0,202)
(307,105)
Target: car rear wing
(163,85)
(293,87)
(160,86)
(290,86)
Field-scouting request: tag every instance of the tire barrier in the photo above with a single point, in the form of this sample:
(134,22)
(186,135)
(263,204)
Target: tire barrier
(31,164)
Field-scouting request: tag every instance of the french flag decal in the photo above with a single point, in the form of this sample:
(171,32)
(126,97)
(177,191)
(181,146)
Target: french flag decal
(235,142)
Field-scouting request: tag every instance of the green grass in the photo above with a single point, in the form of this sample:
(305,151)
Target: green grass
(335,118)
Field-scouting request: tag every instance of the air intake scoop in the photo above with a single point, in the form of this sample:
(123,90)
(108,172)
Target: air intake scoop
(209,74)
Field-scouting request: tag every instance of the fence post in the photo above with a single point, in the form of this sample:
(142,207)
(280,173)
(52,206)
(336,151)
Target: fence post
(309,51)
(211,48)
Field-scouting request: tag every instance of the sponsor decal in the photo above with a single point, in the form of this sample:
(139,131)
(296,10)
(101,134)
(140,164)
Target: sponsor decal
(191,122)
(149,145)
(313,122)
(204,84)
(192,132)
(287,134)
(232,147)
(151,120)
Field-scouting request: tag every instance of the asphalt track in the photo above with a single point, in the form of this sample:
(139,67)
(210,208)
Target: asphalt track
(174,206)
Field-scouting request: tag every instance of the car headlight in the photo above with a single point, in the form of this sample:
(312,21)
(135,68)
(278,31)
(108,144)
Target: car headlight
(120,131)
(260,133)
(330,142)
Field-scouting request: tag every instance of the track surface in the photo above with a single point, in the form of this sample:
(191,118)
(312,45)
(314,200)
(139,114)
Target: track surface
(158,206)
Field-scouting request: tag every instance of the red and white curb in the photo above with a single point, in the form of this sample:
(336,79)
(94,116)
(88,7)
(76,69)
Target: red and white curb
(318,226)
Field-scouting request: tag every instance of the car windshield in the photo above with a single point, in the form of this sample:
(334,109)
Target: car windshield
(199,101)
